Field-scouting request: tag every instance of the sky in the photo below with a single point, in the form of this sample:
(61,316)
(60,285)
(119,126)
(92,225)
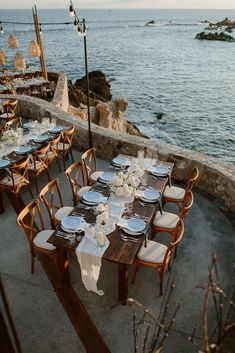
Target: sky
(164,4)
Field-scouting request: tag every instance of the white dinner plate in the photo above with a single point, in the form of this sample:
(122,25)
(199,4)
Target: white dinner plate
(42,138)
(150,195)
(72,223)
(161,170)
(128,231)
(29,125)
(92,197)
(23,150)
(4,163)
(121,161)
(56,129)
(135,225)
(106,177)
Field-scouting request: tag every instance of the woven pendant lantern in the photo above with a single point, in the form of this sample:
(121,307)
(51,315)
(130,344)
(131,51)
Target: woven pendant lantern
(3,58)
(13,42)
(19,62)
(34,49)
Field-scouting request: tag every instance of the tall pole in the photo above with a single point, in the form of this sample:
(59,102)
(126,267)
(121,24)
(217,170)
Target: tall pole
(81,29)
(87,85)
(39,41)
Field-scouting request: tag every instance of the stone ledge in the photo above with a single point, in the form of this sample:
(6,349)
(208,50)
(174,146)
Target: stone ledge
(216,178)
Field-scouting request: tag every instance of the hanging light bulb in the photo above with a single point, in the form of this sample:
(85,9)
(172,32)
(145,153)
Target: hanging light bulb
(34,49)
(19,62)
(40,29)
(13,42)
(75,23)
(1,30)
(71,11)
(79,30)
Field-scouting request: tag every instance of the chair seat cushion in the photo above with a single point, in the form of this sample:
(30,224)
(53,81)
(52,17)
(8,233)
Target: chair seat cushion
(40,241)
(8,180)
(166,220)
(82,190)
(94,176)
(7,115)
(174,192)
(154,252)
(63,212)
(39,165)
(63,147)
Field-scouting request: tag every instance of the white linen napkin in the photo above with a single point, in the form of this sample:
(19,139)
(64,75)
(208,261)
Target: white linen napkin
(90,259)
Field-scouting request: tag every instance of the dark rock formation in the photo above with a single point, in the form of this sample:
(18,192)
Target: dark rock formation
(159,115)
(215,36)
(99,85)
(226,22)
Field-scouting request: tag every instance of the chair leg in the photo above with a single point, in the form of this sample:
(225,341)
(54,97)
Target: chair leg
(32,261)
(36,181)
(161,276)
(71,153)
(137,268)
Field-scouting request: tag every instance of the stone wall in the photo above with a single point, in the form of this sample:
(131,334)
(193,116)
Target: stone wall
(61,97)
(216,178)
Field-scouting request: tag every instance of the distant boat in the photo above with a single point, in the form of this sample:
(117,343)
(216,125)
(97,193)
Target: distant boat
(151,23)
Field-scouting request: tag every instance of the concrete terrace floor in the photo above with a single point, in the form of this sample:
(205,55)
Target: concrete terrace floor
(41,321)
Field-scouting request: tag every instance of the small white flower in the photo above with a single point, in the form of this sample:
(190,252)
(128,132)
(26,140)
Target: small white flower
(119,191)
(100,208)
(118,182)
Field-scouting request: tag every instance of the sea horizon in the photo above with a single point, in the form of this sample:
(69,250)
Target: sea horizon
(161,69)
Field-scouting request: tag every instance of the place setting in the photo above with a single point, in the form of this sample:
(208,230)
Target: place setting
(93,198)
(149,197)
(121,162)
(71,228)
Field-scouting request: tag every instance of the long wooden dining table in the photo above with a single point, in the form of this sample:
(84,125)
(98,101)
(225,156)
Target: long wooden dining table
(122,253)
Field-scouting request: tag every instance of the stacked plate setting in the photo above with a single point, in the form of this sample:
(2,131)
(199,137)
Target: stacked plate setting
(121,161)
(56,129)
(134,226)
(23,150)
(107,177)
(42,138)
(4,163)
(93,198)
(160,170)
(150,196)
(71,224)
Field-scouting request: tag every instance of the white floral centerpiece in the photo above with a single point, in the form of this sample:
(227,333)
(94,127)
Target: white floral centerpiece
(125,184)
(102,220)
(10,137)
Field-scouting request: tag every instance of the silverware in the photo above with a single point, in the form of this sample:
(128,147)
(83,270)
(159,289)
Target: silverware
(125,238)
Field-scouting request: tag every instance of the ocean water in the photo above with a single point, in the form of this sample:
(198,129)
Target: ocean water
(157,69)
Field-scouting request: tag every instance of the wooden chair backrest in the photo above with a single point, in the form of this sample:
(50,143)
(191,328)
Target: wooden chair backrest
(177,237)
(26,219)
(186,204)
(41,156)
(192,178)
(51,196)
(54,144)
(21,171)
(76,177)
(13,122)
(89,160)
(11,106)
(68,136)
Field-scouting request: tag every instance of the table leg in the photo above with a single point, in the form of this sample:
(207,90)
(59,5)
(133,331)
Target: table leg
(1,203)
(122,283)
(62,266)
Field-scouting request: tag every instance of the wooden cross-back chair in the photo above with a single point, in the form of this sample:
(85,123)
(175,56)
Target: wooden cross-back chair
(12,123)
(90,166)
(16,179)
(76,177)
(167,221)
(10,109)
(53,153)
(158,256)
(36,234)
(176,194)
(51,196)
(65,146)
(39,164)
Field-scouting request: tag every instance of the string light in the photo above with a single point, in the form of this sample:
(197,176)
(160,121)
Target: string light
(1,30)
(71,11)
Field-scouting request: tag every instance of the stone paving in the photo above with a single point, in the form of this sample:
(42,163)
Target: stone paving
(41,321)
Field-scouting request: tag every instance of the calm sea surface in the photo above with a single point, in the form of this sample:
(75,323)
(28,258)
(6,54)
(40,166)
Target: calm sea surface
(158,69)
